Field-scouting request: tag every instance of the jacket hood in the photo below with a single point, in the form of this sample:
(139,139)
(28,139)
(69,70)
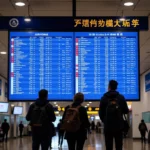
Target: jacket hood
(112,94)
(41,102)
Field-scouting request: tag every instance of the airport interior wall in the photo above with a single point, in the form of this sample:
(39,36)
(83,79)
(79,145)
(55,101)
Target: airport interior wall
(2,96)
(139,107)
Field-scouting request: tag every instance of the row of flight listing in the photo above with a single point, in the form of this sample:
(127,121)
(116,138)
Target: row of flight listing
(65,63)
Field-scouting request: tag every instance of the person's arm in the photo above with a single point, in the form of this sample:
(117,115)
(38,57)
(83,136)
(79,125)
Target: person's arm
(102,109)
(146,127)
(139,126)
(64,113)
(8,126)
(28,116)
(85,117)
(51,113)
(2,126)
(125,109)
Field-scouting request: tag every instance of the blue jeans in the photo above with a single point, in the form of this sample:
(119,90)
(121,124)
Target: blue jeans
(38,140)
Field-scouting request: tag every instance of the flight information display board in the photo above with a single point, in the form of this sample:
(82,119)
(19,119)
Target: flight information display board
(103,56)
(41,60)
(65,63)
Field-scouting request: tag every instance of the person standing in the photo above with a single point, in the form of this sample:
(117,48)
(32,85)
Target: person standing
(41,115)
(143,129)
(112,108)
(5,127)
(52,134)
(93,125)
(75,123)
(60,133)
(21,127)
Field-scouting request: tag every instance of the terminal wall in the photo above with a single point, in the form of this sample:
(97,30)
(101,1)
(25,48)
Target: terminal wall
(139,107)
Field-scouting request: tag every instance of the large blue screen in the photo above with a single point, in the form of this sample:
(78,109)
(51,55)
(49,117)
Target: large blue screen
(41,60)
(102,56)
(65,63)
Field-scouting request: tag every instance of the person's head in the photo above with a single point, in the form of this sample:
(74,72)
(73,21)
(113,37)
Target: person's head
(142,121)
(43,94)
(21,122)
(79,98)
(112,85)
(5,120)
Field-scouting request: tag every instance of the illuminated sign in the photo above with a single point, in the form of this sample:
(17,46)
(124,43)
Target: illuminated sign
(108,23)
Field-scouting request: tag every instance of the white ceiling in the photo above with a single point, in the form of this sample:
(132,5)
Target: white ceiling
(84,8)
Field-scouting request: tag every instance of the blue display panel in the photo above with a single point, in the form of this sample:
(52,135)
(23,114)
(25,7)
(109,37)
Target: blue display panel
(41,60)
(102,56)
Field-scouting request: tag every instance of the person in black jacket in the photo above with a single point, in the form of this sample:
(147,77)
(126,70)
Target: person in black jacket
(60,133)
(21,127)
(143,129)
(77,139)
(52,134)
(41,115)
(5,127)
(115,129)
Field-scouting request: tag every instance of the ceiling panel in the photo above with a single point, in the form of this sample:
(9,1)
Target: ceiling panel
(52,13)
(50,0)
(143,5)
(82,6)
(52,6)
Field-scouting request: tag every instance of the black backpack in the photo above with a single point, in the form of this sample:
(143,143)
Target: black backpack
(142,127)
(114,117)
(39,116)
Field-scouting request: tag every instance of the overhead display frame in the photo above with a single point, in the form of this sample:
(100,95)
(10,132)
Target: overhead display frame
(78,24)
(55,60)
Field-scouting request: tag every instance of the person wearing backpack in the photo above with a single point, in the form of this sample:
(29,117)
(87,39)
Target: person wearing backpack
(60,133)
(143,129)
(41,115)
(112,108)
(75,122)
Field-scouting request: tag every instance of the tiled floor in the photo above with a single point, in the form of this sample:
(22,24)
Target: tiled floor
(94,142)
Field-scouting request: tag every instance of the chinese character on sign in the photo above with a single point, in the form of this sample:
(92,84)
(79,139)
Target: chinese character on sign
(77,22)
(85,23)
(109,23)
(93,23)
(135,23)
(126,23)
(117,23)
(101,23)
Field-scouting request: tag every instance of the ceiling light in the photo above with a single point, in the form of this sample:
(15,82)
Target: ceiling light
(128,4)
(3,53)
(27,19)
(85,106)
(122,19)
(20,4)
(90,102)
(55,103)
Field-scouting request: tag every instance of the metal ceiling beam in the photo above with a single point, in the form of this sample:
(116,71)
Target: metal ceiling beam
(74,8)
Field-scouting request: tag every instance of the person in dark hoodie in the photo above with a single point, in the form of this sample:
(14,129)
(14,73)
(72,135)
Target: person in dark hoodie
(143,129)
(112,108)
(5,127)
(77,139)
(41,115)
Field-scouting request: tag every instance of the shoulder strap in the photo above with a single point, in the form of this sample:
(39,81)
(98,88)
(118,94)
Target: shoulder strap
(78,106)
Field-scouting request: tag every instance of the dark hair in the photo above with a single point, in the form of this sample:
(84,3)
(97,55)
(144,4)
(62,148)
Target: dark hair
(142,121)
(113,84)
(43,94)
(5,120)
(79,98)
